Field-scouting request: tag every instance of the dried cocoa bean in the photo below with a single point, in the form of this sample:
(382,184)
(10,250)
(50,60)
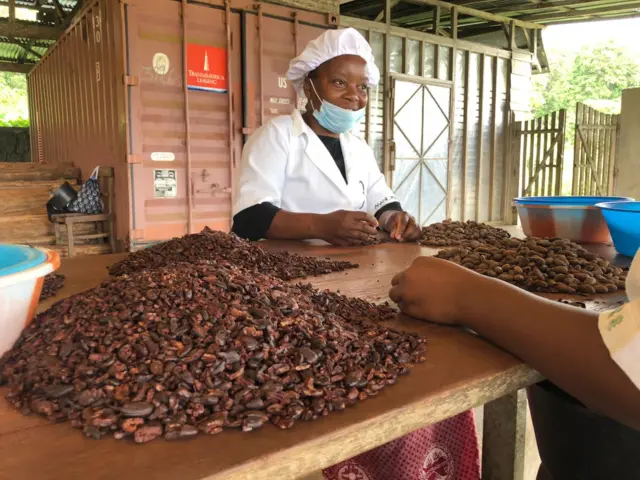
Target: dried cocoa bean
(218,347)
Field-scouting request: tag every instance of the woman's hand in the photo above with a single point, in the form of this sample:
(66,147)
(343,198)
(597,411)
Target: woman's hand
(345,228)
(401,226)
(434,289)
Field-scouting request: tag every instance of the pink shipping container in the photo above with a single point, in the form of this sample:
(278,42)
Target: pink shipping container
(166,93)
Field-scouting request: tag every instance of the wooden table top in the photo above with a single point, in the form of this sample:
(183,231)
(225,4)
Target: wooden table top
(461,371)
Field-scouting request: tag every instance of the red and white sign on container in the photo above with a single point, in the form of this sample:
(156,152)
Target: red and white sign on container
(206,68)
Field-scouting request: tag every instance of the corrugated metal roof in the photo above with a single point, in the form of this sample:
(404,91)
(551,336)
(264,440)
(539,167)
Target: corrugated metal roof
(31,14)
(410,15)
(20,50)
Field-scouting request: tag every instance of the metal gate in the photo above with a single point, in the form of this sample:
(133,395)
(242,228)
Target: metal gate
(539,152)
(594,153)
(420,148)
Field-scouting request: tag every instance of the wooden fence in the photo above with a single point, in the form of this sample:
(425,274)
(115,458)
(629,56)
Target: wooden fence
(594,151)
(539,150)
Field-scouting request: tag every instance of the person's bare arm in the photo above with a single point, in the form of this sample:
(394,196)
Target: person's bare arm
(338,228)
(563,343)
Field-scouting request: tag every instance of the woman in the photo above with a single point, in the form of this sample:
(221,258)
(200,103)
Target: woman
(305,176)
(586,426)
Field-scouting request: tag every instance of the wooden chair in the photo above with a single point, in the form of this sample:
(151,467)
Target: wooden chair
(105,222)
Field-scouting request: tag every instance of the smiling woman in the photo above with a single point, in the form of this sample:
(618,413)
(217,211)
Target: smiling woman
(306,176)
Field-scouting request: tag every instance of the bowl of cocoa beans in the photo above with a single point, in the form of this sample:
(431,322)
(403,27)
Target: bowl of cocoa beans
(575,218)
(22,272)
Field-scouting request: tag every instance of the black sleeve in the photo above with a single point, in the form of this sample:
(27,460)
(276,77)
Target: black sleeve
(395,206)
(253,223)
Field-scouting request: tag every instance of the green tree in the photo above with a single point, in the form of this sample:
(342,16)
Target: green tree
(14,104)
(596,75)
(597,72)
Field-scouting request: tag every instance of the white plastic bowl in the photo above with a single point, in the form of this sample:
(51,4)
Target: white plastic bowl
(22,272)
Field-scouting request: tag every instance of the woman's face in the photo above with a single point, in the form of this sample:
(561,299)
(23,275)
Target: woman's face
(341,81)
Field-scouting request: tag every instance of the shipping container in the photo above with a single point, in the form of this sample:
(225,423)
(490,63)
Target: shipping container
(166,92)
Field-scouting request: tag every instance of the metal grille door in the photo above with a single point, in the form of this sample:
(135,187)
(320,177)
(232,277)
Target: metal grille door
(420,149)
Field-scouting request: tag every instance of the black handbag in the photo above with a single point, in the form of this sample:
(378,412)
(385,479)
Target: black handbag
(88,200)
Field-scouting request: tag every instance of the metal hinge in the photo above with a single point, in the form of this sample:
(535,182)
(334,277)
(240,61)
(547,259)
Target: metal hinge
(131,80)
(134,159)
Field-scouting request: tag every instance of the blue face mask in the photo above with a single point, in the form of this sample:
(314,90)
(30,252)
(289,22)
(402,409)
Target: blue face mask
(334,118)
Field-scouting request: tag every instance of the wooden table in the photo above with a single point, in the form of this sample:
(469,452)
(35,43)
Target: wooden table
(461,371)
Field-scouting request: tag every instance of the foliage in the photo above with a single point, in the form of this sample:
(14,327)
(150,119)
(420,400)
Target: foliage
(596,72)
(596,75)
(14,104)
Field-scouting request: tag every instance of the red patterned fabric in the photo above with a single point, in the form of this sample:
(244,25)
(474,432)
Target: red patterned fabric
(445,451)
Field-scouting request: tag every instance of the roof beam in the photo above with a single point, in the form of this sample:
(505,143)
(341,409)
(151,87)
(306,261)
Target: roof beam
(59,10)
(16,67)
(490,17)
(625,16)
(12,11)
(22,29)
(28,49)
(544,6)
(629,7)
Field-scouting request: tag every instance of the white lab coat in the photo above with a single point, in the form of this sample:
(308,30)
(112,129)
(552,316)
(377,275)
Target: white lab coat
(286,164)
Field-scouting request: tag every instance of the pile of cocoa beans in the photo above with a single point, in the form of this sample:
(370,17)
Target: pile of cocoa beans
(194,348)
(451,233)
(51,285)
(551,265)
(217,246)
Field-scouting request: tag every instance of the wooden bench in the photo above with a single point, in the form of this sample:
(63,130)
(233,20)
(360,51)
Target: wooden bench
(105,221)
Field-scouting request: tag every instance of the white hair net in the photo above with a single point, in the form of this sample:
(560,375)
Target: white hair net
(332,44)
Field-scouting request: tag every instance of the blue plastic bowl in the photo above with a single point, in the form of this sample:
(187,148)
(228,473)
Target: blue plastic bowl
(623,220)
(576,201)
(18,258)
(573,218)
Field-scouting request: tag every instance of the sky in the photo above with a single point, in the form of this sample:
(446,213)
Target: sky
(572,37)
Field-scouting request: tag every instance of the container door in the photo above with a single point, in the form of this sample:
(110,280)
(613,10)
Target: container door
(179,182)
(269,45)
(421,146)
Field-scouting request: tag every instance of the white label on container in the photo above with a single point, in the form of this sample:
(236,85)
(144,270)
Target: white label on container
(165,183)
(160,63)
(163,156)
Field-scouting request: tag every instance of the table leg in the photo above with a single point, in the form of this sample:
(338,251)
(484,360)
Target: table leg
(504,438)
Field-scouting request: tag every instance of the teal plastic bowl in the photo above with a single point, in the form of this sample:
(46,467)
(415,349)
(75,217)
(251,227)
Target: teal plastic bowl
(623,220)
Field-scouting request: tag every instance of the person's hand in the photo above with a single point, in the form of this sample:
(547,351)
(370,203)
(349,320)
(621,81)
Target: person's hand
(433,289)
(345,228)
(401,226)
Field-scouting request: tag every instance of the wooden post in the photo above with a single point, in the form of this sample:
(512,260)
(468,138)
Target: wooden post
(532,158)
(524,158)
(480,143)
(465,137)
(547,159)
(70,239)
(504,435)
(387,107)
(577,152)
(560,152)
(589,170)
(509,118)
(614,156)
(494,114)
(514,164)
(436,20)
(452,109)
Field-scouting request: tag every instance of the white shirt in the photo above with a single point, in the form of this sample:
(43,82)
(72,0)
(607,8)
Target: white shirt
(286,164)
(620,328)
